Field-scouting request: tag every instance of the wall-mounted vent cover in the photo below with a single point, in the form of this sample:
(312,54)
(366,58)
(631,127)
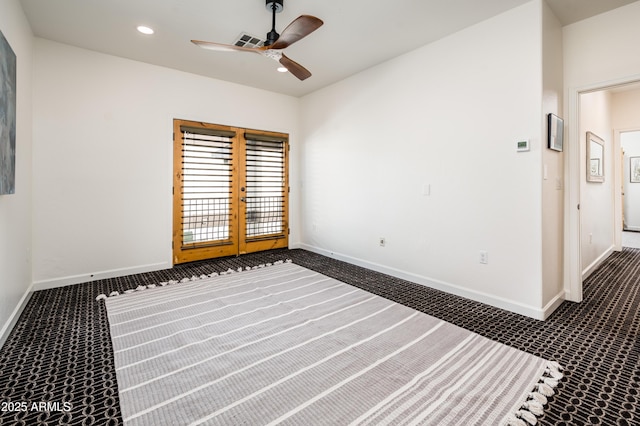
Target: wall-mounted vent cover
(247,40)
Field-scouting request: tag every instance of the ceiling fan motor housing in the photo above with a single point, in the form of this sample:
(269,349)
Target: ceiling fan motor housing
(278,4)
(273,6)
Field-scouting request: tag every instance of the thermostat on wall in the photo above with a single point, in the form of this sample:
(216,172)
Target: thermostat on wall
(522,145)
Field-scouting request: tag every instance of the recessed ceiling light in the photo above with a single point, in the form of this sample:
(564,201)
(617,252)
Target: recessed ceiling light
(282,69)
(145,30)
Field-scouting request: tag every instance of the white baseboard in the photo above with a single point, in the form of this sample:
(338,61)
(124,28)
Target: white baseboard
(15,315)
(594,265)
(632,228)
(553,305)
(83,278)
(498,302)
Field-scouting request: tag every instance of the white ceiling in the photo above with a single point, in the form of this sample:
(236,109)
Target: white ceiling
(357,34)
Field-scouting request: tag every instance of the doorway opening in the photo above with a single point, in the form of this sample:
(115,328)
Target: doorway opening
(594,211)
(630,155)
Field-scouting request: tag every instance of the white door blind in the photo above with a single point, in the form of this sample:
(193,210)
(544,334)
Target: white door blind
(206,188)
(265,187)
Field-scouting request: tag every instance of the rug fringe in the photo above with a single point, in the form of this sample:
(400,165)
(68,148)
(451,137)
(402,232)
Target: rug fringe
(193,278)
(533,407)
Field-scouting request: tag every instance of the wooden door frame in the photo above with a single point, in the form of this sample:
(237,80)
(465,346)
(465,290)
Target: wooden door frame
(269,243)
(239,245)
(211,251)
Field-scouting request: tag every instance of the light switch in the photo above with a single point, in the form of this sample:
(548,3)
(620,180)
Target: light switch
(426,189)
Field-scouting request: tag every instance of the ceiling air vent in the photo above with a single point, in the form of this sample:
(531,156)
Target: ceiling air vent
(247,40)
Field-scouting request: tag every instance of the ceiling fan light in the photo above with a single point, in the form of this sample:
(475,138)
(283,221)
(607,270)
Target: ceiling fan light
(145,30)
(282,69)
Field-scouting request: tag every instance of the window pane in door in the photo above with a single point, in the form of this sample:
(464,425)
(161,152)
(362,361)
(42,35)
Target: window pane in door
(207,177)
(265,188)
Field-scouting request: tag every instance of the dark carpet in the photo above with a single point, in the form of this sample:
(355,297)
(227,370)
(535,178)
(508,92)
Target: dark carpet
(56,367)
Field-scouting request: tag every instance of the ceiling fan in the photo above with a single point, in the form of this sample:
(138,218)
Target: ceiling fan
(301,27)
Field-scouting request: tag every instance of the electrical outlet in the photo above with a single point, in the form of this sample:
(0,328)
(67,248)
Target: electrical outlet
(484,257)
(382,241)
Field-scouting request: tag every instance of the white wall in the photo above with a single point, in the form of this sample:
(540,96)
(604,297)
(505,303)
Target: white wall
(447,116)
(103,157)
(552,162)
(626,108)
(15,209)
(630,142)
(598,50)
(597,198)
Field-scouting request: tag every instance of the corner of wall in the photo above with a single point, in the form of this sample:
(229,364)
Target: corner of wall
(6,329)
(16,209)
(553,175)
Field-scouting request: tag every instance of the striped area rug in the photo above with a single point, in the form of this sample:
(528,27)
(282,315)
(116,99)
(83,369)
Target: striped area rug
(283,344)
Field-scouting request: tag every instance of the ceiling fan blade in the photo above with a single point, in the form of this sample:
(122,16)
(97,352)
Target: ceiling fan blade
(295,68)
(225,47)
(301,27)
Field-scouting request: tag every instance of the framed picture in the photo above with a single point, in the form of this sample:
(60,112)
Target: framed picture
(555,132)
(7,118)
(634,169)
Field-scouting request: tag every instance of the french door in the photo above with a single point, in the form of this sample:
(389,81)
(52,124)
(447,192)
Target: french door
(230,191)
